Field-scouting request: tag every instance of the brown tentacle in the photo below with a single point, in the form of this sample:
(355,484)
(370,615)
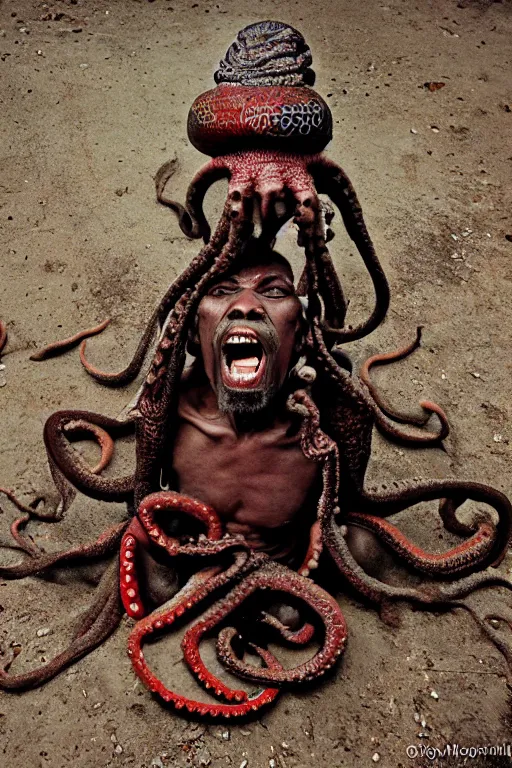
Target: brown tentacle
(104,545)
(384,359)
(331,179)
(80,427)
(100,624)
(3,336)
(62,457)
(191,216)
(377,591)
(59,347)
(275,577)
(201,263)
(158,401)
(407,493)
(460,560)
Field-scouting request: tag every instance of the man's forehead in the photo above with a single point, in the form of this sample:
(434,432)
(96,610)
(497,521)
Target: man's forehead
(256,272)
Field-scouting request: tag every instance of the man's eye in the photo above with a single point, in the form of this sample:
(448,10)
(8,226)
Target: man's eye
(221,290)
(275,292)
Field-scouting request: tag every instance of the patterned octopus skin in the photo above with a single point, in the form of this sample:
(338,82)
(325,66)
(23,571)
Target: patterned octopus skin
(463,558)
(233,117)
(200,586)
(275,577)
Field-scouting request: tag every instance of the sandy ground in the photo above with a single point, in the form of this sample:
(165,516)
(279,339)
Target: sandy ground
(94,97)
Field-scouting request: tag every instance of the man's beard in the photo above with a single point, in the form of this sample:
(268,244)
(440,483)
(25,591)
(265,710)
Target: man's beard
(244,401)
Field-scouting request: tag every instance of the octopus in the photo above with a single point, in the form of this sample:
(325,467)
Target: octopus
(265,129)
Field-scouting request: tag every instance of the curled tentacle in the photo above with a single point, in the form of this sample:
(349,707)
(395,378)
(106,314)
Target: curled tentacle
(191,216)
(276,578)
(198,588)
(59,347)
(331,179)
(80,427)
(201,263)
(461,559)
(384,359)
(401,495)
(99,621)
(67,462)
(373,589)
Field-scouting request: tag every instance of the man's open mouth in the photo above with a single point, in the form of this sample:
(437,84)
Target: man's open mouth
(243,359)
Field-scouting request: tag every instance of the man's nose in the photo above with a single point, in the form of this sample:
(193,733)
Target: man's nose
(246,306)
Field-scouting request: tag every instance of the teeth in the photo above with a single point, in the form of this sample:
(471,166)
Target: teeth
(242,340)
(243,376)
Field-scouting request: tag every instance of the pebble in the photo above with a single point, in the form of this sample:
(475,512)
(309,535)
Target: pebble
(475,374)
(244,764)
(118,749)
(434,695)
(245,733)
(376,757)
(494,623)
(414,131)
(43,632)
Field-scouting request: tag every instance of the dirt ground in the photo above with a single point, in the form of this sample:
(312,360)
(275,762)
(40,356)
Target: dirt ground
(94,97)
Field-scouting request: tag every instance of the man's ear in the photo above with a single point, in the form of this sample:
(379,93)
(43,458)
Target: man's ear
(193,341)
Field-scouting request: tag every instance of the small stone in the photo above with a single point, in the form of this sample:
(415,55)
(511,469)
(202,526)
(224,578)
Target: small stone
(272,763)
(84,66)
(39,53)
(118,749)
(423,723)
(226,735)
(434,129)
(97,705)
(245,733)
(113,738)
(376,757)
(244,764)
(434,695)
(497,438)
(414,131)
(417,717)
(494,623)
(454,236)
(43,632)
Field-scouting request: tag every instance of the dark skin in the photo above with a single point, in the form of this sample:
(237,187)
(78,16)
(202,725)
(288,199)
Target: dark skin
(252,469)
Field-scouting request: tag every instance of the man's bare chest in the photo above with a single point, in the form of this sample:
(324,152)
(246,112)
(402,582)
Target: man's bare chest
(259,480)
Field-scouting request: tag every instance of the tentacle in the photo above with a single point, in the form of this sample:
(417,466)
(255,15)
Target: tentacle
(330,179)
(407,493)
(192,220)
(29,511)
(59,347)
(301,636)
(107,543)
(63,458)
(100,621)
(277,578)
(377,591)
(384,359)
(200,586)
(462,559)
(159,398)
(416,437)
(3,336)
(201,263)
(493,623)
(79,427)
